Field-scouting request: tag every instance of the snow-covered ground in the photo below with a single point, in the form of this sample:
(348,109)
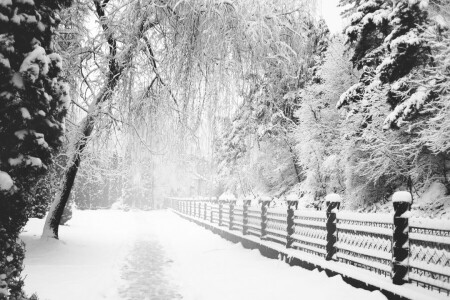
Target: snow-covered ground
(157,255)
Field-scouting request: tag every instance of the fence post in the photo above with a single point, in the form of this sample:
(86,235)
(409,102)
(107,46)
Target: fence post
(197,207)
(400,238)
(333,202)
(220,211)
(265,201)
(292,202)
(232,200)
(211,212)
(205,206)
(189,206)
(194,208)
(247,203)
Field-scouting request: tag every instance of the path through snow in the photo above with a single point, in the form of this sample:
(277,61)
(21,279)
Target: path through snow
(158,255)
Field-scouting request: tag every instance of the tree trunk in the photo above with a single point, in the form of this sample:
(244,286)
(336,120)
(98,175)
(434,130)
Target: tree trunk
(87,126)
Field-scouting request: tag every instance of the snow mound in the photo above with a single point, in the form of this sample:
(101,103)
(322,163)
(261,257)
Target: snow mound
(6,182)
(333,198)
(402,196)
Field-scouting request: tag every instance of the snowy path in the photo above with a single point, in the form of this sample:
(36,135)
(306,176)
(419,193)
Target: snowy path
(158,255)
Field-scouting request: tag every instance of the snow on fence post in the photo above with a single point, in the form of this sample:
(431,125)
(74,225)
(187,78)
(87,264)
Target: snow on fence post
(265,201)
(292,204)
(333,202)
(400,239)
(232,200)
(247,203)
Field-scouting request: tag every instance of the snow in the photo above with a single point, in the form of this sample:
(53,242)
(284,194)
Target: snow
(366,217)
(16,161)
(5,3)
(34,161)
(85,262)
(56,59)
(145,255)
(6,182)
(333,198)
(29,160)
(292,197)
(17,80)
(423,4)
(28,2)
(435,191)
(25,113)
(402,196)
(227,196)
(20,134)
(35,62)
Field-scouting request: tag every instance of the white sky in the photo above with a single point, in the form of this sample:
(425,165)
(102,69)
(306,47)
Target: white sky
(331,13)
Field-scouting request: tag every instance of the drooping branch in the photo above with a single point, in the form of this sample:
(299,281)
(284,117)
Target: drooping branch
(115,70)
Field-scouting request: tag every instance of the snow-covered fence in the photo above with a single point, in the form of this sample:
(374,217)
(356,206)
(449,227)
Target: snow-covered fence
(276,225)
(225,216)
(238,222)
(310,233)
(429,257)
(214,212)
(254,221)
(404,249)
(365,241)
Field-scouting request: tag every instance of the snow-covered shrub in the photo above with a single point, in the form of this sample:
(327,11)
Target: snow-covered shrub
(32,105)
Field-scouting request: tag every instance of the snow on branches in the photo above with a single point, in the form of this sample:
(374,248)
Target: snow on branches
(33,103)
(387,38)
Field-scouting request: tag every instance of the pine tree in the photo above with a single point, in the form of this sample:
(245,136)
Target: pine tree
(387,45)
(33,103)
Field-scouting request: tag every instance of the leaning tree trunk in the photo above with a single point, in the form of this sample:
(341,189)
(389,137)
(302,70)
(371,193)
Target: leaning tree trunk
(87,125)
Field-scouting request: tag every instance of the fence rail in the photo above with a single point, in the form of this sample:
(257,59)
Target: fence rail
(407,250)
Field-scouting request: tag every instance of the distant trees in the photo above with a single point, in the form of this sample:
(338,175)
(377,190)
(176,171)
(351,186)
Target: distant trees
(320,135)
(255,152)
(33,103)
(388,76)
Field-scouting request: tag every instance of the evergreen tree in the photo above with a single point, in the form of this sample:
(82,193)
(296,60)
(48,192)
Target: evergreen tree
(390,46)
(33,103)
(387,46)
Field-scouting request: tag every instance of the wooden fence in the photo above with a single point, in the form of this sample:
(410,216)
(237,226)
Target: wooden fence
(411,255)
